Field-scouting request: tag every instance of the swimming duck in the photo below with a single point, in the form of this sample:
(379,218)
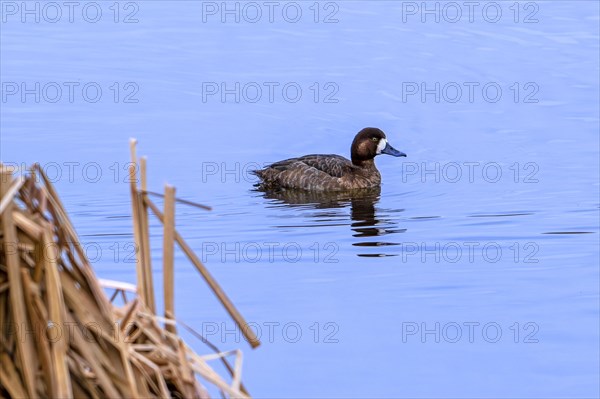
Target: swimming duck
(331,172)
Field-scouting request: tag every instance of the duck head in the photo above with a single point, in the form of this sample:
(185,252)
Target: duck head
(369,143)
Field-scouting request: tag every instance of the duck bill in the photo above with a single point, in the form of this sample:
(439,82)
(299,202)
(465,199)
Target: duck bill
(389,150)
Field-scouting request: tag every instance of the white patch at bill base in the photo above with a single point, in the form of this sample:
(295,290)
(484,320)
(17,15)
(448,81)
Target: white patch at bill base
(381,145)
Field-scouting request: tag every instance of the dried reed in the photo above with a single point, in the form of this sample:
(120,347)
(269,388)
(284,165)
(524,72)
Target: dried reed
(62,336)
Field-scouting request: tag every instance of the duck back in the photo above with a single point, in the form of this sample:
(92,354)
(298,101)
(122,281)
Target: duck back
(317,172)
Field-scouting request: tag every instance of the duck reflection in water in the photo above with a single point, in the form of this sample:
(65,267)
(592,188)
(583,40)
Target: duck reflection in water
(367,220)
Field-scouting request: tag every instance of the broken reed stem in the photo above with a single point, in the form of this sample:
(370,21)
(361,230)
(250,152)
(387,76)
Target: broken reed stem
(24,348)
(169,255)
(180,200)
(215,349)
(8,196)
(138,231)
(65,223)
(139,257)
(47,282)
(212,283)
(143,175)
(56,306)
(149,283)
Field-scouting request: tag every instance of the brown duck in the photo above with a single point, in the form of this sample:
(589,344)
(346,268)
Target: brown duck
(331,172)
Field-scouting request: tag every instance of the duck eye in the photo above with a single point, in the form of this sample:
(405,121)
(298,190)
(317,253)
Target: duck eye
(374,139)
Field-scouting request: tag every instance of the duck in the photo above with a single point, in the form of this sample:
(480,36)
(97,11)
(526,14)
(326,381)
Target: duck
(321,172)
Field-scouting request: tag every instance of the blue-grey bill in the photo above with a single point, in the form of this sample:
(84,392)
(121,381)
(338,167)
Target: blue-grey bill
(392,151)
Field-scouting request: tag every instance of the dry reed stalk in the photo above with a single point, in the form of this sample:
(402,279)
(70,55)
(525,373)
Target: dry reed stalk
(215,287)
(10,193)
(56,306)
(137,233)
(169,255)
(25,352)
(47,283)
(180,200)
(145,230)
(64,227)
(10,377)
(38,315)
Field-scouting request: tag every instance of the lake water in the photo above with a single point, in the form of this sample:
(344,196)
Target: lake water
(473,272)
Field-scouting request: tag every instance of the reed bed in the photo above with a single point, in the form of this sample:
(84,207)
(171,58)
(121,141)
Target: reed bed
(63,334)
